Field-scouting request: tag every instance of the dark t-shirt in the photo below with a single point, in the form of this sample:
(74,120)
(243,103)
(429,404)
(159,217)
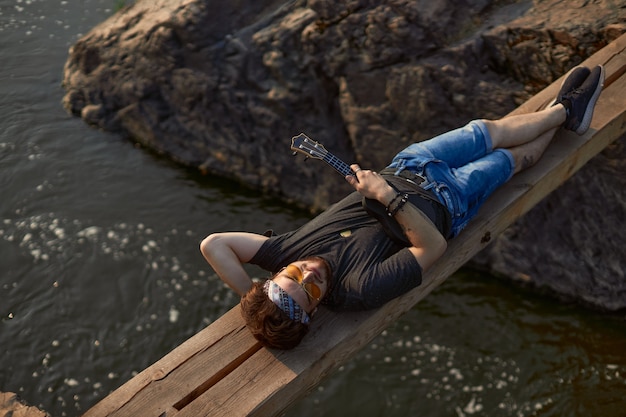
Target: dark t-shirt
(368,268)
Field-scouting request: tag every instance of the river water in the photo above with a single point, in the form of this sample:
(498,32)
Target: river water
(100,273)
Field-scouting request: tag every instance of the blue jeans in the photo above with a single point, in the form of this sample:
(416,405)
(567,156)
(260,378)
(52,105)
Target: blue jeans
(461,168)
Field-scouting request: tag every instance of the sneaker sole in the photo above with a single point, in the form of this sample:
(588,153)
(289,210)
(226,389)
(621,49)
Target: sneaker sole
(586,122)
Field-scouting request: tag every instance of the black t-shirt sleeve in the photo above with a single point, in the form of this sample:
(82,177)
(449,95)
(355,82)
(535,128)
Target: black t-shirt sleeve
(276,252)
(379,283)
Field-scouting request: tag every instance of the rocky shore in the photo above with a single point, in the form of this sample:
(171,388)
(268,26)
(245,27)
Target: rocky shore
(12,406)
(223,86)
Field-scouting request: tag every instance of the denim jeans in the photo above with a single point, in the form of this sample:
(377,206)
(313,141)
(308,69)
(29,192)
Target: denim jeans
(461,169)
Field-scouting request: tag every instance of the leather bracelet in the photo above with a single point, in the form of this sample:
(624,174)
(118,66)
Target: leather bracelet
(401,203)
(393,200)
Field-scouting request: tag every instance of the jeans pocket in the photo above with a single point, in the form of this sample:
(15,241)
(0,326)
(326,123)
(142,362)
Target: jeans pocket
(456,206)
(450,200)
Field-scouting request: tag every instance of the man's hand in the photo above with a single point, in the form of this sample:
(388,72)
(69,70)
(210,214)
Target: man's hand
(371,185)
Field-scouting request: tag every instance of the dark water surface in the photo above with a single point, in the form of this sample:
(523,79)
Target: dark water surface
(100,273)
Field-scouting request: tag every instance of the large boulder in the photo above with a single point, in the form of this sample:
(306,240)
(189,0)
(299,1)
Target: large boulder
(223,86)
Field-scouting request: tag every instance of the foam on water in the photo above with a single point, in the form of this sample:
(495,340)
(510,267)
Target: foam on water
(31,17)
(65,245)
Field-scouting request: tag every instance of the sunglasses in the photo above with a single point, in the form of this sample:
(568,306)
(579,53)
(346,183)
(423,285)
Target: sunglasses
(295,273)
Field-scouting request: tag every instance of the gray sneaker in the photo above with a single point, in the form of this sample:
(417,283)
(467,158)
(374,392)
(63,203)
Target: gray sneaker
(580,102)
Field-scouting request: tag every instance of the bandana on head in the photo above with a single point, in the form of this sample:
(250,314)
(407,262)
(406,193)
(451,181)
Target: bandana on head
(285,302)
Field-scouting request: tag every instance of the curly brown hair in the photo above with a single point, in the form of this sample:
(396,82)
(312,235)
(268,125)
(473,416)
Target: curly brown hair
(268,323)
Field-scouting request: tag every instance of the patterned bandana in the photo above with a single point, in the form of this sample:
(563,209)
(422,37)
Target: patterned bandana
(285,302)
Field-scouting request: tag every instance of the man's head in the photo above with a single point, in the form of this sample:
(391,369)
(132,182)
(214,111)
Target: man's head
(277,312)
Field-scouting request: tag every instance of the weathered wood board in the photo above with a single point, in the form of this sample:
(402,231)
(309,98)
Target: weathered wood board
(223,371)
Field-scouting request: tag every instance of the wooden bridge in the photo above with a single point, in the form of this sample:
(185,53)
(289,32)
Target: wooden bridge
(223,370)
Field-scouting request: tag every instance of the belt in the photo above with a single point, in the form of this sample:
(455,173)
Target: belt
(408,175)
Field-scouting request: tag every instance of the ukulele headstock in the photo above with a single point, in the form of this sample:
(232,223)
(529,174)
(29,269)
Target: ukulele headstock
(303,144)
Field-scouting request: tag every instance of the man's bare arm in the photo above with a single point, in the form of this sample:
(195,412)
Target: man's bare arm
(428,243)
(227,252)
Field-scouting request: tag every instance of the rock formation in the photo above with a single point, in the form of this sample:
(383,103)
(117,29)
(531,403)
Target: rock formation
(223,86)
(12,406)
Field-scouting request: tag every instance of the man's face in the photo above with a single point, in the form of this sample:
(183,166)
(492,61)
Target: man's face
(315,273)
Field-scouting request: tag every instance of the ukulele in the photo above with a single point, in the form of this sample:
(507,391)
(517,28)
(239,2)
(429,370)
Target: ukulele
(312,149)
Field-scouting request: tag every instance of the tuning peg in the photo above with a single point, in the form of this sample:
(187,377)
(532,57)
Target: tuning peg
(306,158)
(294,153)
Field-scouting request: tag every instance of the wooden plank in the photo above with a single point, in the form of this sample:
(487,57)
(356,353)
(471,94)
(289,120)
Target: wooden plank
(221,371)
(196,364)
(183,383)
